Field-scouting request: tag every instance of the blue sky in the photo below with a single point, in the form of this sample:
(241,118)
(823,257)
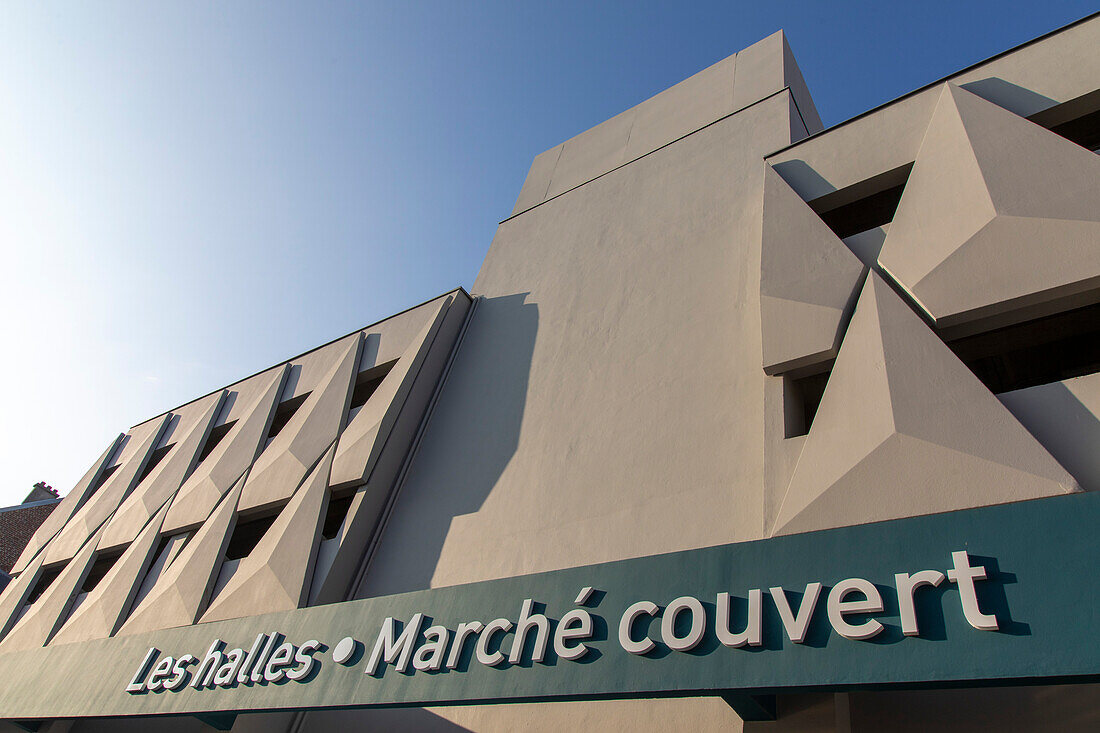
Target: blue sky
(191,192)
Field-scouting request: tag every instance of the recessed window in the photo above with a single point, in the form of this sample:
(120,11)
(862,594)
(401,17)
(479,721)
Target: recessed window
(334,517)
(864,205)
(45,580)
(284,413)
(157,457)
(367,381)
(216,434)
(801,398)
(247,534)
(102,565)
(1040,351)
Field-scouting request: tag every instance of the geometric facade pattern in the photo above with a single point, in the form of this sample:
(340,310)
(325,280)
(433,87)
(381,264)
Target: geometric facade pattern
(999,219)
(141,543)
(999,214)
(902,425)
(808,281)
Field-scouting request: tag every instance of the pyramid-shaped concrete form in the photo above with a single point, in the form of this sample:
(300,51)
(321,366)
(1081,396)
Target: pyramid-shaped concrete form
(808,281)
(102,612)
(364,437)
(904,429)
(230,458)
(68,506)
(106,499)
(275,576)
(165,479)
(183,587)
(998,215)
(283,464)
(15,594)
(43,618)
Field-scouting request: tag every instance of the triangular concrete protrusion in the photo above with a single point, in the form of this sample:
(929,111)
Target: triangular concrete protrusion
(905,429)
(229,459)
(102,611)
(163,481)
(15,595)
(183,588)
(998,215)
(106,499)
(275,576)
(43,618)
(68,506)
(314,427)
(808,281)
(363,438)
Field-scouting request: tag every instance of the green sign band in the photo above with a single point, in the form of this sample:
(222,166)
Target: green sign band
(993,595)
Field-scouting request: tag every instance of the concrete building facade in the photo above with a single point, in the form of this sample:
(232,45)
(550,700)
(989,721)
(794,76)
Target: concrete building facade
(707,321)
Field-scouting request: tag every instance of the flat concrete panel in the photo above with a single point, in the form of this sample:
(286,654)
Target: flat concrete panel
(618,320)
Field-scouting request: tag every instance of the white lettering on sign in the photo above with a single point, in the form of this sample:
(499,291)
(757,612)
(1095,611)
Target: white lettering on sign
(644,626)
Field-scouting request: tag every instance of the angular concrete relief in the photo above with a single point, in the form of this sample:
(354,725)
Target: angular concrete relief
(107,498)
(183,588)
(42,618)
(275,576)
(163,481)
(229,459)
(68,506)
(103,610)
(808,281)
(904,429)
(364,437)
(283,464)
(1065,417)
(998,215)
(15,595)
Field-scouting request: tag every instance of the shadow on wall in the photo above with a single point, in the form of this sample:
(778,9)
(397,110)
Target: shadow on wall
(472,435)
(392,720)
(1065,426)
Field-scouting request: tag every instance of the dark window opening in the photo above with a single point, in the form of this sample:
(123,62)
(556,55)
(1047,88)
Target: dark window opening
(864,205)
(48,576)
(801,398)
(1085,131)
(367,382)
(334,518)
(1040,351)
(247,534)
(216,434)
(283,413)
(100,568)
(106,474)
(1077,120)
(157,457)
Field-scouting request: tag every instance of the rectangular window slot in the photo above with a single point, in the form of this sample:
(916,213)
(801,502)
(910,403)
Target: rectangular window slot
(157,457)
(864,205)
(247,534)
(367,381)
(801,397)
(100,568)
(1077,120)
(216,434)
(283,413)
(334,518)
(1040,351)
(45,580)
(106,474)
